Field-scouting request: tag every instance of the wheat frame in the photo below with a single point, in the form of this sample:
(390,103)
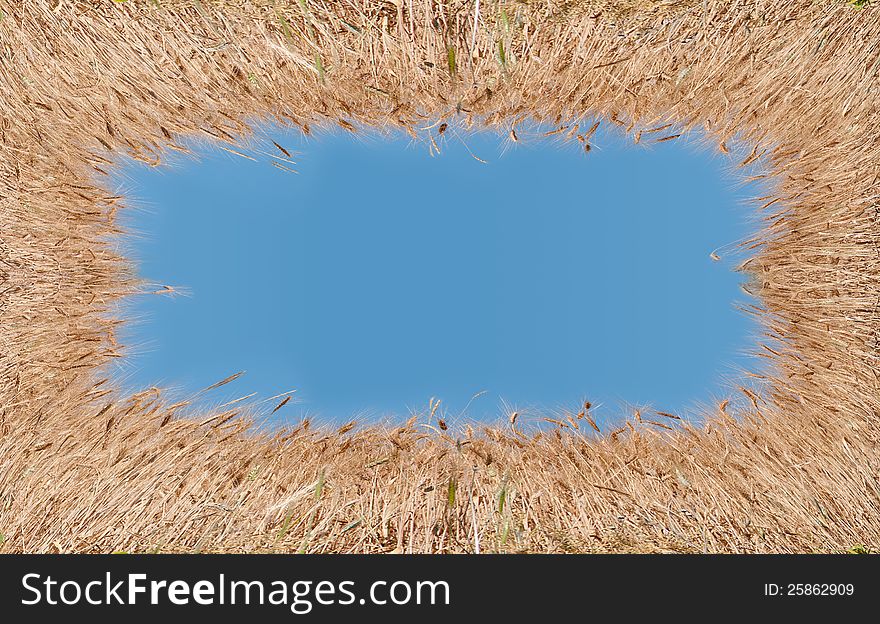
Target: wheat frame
(85,468)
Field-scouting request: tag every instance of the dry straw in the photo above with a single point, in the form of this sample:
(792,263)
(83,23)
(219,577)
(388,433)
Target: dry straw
(792,467)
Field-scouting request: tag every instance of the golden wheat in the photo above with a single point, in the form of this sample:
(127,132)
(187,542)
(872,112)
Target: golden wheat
(791,467)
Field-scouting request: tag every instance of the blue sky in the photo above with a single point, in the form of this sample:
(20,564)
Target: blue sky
(380,276)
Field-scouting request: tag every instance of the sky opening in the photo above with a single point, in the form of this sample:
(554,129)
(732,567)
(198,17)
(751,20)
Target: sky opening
(381,275)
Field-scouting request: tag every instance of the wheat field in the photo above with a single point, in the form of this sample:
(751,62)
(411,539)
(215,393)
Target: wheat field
(792,466)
